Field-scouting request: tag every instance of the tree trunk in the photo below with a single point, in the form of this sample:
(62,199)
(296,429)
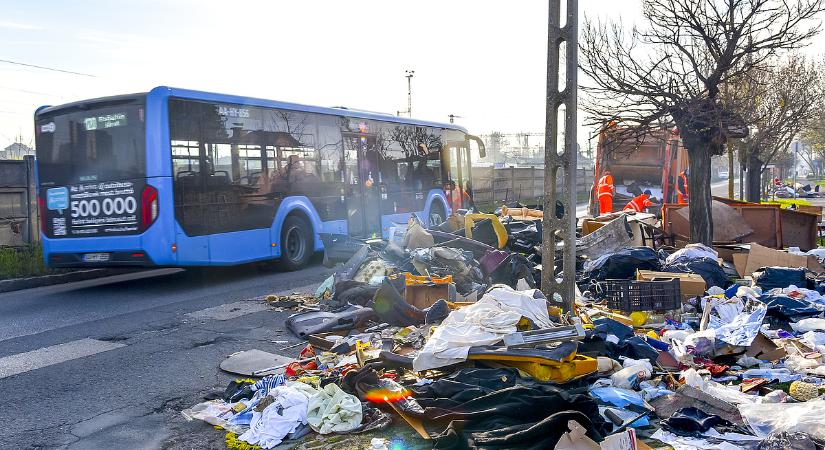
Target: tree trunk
(701,219)
(753,180)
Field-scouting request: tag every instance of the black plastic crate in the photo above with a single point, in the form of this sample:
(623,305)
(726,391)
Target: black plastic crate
(629,296)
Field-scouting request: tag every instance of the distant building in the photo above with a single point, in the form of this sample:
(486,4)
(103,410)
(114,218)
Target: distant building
(16,151)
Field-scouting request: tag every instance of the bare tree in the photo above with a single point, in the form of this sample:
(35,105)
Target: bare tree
(813,139)
(670,73)
(777,102)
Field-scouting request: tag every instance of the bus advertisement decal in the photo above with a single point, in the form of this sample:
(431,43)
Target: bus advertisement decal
(94,209)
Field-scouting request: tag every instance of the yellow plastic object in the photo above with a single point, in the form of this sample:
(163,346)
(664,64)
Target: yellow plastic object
(652,334)
(501,232)
(639,318)
(542,369)
(802,391)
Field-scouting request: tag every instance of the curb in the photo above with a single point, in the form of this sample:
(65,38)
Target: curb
(17,284)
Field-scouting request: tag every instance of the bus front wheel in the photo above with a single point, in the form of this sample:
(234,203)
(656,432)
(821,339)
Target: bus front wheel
(296,243)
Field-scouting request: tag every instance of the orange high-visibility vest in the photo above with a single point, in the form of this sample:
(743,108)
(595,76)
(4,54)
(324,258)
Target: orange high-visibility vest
(638,204)
(605,186)
(685,182)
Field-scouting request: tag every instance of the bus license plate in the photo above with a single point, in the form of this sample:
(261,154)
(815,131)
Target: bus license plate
(96,257)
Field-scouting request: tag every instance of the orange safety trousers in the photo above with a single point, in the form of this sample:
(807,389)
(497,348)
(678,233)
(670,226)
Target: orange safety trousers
(605,204)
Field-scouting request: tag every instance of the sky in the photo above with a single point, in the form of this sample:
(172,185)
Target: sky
(482,60)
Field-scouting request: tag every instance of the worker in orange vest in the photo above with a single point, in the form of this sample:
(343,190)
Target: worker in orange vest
(682,188)
(640,202)
(605,191)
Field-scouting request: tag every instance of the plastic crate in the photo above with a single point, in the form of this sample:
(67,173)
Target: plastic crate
(629,296)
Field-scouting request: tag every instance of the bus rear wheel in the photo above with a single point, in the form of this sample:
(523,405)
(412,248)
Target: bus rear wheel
(296,243)
(437,214)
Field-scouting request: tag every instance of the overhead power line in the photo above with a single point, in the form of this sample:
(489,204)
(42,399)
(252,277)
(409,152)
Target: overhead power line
(52,69)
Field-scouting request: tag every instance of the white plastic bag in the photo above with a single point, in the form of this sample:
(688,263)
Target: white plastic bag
(812,324)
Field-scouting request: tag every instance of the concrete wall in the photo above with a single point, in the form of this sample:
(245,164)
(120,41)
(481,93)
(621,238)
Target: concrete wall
(19,222)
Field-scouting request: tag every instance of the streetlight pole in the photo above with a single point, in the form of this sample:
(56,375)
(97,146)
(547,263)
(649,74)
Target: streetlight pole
(409,75)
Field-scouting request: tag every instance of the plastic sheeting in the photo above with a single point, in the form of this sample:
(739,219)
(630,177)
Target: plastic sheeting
(767,418)
(732,323)
(482,323)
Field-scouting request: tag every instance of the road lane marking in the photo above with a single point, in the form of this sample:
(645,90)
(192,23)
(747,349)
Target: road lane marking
(229,310)
(55,354)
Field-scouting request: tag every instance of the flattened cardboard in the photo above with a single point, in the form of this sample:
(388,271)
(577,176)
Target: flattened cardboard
(760,256)
(764,348)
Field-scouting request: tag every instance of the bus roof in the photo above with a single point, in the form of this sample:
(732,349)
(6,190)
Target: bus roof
(166,91)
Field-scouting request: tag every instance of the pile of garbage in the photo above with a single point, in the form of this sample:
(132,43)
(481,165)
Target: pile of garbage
(445,331)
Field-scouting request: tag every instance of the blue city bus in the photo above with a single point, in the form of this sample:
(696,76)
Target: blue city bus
(177,177)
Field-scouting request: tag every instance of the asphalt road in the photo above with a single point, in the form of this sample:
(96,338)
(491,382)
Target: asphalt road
(110,363)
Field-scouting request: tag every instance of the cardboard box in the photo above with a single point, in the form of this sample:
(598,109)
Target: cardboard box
(760,256)
(690,284)
(424,295)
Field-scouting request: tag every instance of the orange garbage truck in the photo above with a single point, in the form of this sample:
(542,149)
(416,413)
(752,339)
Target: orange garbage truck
(653,162)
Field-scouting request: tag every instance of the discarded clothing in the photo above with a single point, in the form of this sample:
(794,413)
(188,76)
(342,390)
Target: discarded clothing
(517,416)
(614,339)
(621,265)
(691,252)
(707,268)
(783,309)
(332,410)
(692,421)
(284,415)
(482,323)
(780,277)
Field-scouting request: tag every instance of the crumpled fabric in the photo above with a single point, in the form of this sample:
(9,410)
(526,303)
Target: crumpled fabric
(284,415)
(691,251)
(780,277)
(783,309)
(261,389)
(732,321)
(802,293)
(483,323)
(332,410)
(707,268)
(496,409)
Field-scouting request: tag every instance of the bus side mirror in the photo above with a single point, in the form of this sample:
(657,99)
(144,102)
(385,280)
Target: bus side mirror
(482,151)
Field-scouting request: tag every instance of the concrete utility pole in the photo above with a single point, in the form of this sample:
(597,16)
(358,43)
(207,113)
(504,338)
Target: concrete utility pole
(560,160)
(730,170)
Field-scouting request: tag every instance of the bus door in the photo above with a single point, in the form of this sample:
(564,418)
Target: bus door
(458,186)
(364,185)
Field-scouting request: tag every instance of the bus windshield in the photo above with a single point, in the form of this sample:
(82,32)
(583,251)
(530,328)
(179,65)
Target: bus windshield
(101,141)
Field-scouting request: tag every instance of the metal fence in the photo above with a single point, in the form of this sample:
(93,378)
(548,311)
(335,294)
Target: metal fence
(495,186)
(18,203)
